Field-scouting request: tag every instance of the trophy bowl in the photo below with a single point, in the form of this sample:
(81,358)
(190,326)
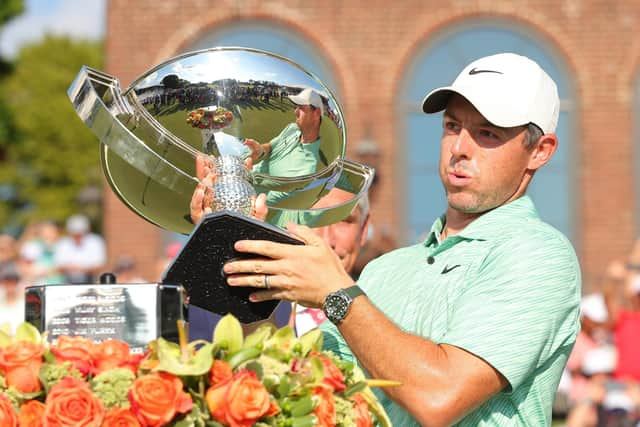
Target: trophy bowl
(261,122)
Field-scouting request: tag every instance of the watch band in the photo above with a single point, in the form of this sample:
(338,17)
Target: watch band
(353,291)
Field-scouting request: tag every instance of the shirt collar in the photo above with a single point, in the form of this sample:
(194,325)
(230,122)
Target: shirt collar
(488,224)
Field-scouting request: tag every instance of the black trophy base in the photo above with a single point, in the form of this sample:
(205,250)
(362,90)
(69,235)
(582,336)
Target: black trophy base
(198,266)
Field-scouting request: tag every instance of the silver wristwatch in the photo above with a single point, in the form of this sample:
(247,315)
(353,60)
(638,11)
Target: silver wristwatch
(336,305)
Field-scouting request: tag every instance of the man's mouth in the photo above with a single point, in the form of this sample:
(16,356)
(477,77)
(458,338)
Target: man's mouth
(458,179)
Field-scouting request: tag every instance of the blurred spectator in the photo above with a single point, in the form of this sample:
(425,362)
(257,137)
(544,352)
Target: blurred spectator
(11,297)
(593,315)
(624,318)
(597,366)
(8,250)
(126,270)
(81,254)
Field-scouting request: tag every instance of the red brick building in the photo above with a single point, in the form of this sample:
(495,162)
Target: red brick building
(372,49)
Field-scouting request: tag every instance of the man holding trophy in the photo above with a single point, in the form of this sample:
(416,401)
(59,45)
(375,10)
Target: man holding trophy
(486,309)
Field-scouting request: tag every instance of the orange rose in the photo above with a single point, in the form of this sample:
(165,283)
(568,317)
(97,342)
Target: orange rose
(71,403)
(220,372)
(21,353)
(241,401)
(156,398)
(361,409)
(76,350)
(30,414)
(24,378)
(326,409)
(119,417)
(333,376)
(113,354)
(8,417)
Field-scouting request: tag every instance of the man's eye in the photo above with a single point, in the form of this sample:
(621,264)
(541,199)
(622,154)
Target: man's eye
(486,133)
(451,126)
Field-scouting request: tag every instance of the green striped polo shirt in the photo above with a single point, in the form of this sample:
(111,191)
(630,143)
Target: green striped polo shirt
(289,157)
(506,288)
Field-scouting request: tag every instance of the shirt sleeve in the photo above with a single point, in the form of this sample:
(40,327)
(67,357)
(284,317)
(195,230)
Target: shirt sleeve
(521,308)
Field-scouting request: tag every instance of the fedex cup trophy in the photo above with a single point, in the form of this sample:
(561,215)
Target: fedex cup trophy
(219,106)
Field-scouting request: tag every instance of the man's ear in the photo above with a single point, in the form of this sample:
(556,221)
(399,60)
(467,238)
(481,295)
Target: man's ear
(542,152)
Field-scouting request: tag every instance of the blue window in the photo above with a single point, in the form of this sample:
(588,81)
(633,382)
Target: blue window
(439,62)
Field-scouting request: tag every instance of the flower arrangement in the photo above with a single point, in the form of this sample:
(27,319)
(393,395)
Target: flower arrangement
(269,378)
(210,119)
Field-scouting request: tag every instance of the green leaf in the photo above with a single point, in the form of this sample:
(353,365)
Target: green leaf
(305,421)
(199,364)
(317,370)
(302,406)
(355,388)
(257,368)
(228,333)
(312,340)
(242,356)
(259,336)
(5,339)
(27,332)
(284,387)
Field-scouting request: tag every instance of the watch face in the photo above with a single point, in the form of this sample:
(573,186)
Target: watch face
(336,306)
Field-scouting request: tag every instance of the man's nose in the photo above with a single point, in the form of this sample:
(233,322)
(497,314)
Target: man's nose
(463,144)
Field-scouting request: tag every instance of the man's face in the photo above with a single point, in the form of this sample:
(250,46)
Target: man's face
(482,166)
(347,236)
(307,116)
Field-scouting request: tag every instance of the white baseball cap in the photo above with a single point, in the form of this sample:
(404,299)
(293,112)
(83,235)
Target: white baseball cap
(507,89)
(308,96)
(78,224)
(594,307)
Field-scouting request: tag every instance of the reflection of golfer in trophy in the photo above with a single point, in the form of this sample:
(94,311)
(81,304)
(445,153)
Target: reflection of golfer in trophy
(211,113)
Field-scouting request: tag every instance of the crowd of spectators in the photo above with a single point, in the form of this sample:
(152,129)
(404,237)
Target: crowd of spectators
(601,383)
(46,254)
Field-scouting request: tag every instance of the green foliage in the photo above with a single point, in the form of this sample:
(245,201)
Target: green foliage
(52,155)
(9,9)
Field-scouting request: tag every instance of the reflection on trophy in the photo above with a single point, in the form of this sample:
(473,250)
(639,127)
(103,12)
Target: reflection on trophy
(229,108)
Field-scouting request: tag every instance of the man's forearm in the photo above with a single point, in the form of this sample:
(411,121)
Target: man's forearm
(439,381)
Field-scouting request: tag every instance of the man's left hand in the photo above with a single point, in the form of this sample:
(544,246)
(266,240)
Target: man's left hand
(305,274)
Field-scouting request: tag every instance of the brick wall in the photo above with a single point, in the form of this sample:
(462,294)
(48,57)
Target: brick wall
(371,43)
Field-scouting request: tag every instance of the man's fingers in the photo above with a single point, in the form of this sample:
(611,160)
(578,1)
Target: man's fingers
(260,207)
(266,248)
(305,234)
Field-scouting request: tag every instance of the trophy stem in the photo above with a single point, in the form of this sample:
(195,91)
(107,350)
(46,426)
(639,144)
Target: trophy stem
(232,190)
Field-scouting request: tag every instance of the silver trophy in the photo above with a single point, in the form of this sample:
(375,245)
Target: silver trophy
(258,121)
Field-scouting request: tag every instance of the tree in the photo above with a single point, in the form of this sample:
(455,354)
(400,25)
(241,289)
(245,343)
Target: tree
(54,156)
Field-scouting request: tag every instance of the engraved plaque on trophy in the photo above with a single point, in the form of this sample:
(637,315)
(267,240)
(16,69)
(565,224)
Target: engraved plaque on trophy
(238,122)
(135,313)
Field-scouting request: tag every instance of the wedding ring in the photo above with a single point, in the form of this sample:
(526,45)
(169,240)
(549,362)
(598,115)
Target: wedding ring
(266,281)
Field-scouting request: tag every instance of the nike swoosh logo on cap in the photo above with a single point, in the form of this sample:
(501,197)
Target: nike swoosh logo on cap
(474,70)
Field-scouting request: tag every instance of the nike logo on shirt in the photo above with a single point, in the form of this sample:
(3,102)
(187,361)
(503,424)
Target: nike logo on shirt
(447,269)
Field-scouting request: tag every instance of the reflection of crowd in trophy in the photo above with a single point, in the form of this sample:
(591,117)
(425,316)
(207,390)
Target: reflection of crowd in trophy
(175,92)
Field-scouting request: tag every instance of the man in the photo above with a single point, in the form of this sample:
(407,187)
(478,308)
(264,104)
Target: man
(478,321)
(345,238)
(296,150)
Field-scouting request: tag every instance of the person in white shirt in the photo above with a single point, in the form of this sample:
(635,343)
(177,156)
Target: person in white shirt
(80,255)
